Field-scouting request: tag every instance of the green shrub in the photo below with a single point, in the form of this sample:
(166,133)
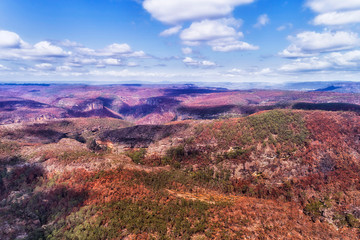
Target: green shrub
(177,219)
(352,221)
(8,147)
(71,156)
(349,220)
(314,209)
(285,125)
(235,153)
(137,156)
(176,153)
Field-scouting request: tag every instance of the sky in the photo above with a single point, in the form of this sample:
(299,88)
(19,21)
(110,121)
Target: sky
(173,41)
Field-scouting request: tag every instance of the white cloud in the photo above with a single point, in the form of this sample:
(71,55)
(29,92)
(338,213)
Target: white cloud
(136,54)
(187,51)
(220,34)
(262,21)
(66,57)
(170,31)
(43,50)
(322,6)
(68,43)
(132,64)
(175,11)
(284,27)
(115,49)
(336,61)
(335,12)
(347,59)
(207,30)
(81,61)
(308,64)
(2,67)
(188,61)
(112,62)
(311,43)
(126,73)
(249,72)
(10,40)
(85,51)
(44,66)
(47,49)
(338,18)
(63,69)
(237,71)
(212,25)
(231,44)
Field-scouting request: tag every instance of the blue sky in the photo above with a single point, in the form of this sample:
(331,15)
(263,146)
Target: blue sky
(103,41)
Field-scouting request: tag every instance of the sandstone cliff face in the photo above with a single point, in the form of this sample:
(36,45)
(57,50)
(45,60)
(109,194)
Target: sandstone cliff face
(88,105)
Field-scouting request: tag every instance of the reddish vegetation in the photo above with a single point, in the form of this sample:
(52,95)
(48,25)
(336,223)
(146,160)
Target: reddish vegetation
(280,174)
(105,186)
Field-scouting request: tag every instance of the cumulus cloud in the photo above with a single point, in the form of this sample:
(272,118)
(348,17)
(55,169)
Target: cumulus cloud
(11,40)
(112,62)
(220,34)
(322,6)
(231,44)
(338,18)
(309,64)
(175,11)
(188,61)
(43,50)
(116,48)
(68,57)
(339,61)
(207,30)
(311,43)
(346,59)
(335,12)
(210,19)
(112,50)
(47,49)
(44,66)
(170,31)
(262,21)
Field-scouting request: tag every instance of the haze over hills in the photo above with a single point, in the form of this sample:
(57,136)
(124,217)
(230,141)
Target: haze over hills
(148,104)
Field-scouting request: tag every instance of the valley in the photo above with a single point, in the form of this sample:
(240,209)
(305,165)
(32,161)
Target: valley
(178,162)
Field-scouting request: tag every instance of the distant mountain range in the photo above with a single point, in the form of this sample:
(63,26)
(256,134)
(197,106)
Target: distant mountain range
(334,86)
(158,104)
